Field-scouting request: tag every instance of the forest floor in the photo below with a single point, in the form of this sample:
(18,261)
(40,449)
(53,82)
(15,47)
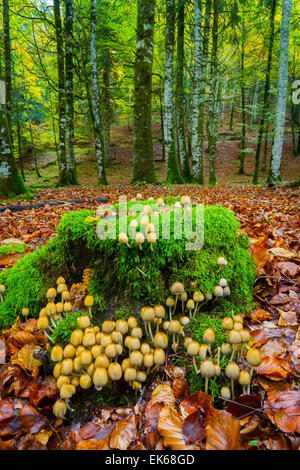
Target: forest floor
(269,418)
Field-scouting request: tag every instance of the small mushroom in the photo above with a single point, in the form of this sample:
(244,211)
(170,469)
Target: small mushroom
(130,374)
(148,316)
(102,361)
(222,263)
(218,291)
(183,298)
(207,370)
(209,336)
(185,200)
(244,380)
(57,353)
(85,381)
(145,348)
(60,409)
(223,282)
(187,341)
(139,239)
(174,329)
(190,305)
(83,321)
(177,289)
(198,297)
(226,291)
(151,238)
(226,349)
(253,356)
(100,378)
(232,371)
(203,351)
(108,326)
(159,357)
(69,351)
(25,312)
(76,337)
(123,239)
(122,326)
(60,280)
(234,338)
(2,290)
(225,393)
(170,302)
(161,340)
(51,294)
(227,323)
(193,350)
(184,320)
(115,371)
(89,302)
(132,322)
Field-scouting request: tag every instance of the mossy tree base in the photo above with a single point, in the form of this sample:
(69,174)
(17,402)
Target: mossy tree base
(138,277)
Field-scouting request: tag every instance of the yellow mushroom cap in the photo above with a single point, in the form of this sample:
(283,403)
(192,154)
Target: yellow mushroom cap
(136,358)
(209,336)
(57,353)
(148,314)
(75,381)
(218,291)
(59,408)
(111,350)
(137,332)
(57,370)
(226,348)
(77,366)
(193,348)
(238,318)
(67,307)
(67,366)
(2,289)
(234,337)
(148,360)
(177,288)
(42,323)
(253,356)
(100,377)
(222,261)
(238,326)
(69,351)
(198,296)
(161,340)
(207,369)
(174,327)
(141,376)
(61,288)
(62,379)
(25,312)
(122,326)
(132,322)
(117,337)
(159,311)
(125,363)
(86,358)
(60,280)
(59,307)
(76,337)
(170,302)
(89,301)
(96,350)
(187,341)
(244,378)
(190,305)
(51,293)
(129,374)
(89,339)
(65,295)
(151,237)
(139,238)
(85,381)
(115,371)
(245,336)
(232,371)
(108,326)
(159,356)
(145,348)
(184,320)
(123,238)
(227,323)
(225,392)
(203,350)
(105,340)
(101,361)
(83,321)
(67,391)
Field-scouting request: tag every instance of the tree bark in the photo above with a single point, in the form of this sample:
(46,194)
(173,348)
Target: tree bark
(143,160)
(274,174)
(211,118)
(242,154)
(106,105)
(97,121)
(266,93)
(180,118)
(172,163)
(62,164)
(7,64)
(70,155)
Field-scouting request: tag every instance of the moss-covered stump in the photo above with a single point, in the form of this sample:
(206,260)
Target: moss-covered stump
(137,277)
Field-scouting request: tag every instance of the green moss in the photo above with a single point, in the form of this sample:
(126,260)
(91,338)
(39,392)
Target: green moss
(123,313)
(134,276)
(9,249)
(62,333)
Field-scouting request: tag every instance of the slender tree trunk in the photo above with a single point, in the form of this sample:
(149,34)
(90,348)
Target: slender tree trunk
(197,150)
(172,163)
(265,154)
(7,65)
(70,154)
(232,108)
(106,105)
(62,163)
(180,118)
(11,182)
(97,121)
(274,174)
(143,160)
(242,154)
(211,118)
(266,92)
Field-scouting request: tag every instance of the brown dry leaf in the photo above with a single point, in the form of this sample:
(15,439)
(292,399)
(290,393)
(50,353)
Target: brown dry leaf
(43,394)
(26,359)
(163,394)
(222,431)
(260,315)
(273,347)
(275,368)
(288,268)
(282,253)
(287,318)
(12,380)
(180,387)
(123,434)
(170,427)
(92,444)
(31,420)
(283,409)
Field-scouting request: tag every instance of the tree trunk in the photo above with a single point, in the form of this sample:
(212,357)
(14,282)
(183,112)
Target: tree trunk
(106,105)
(172,163)
(143,161)
(11,182)
(266,93)
(211,118)
(70,155)
(274,174)
(180,121)
(97,121)
(7,64)
(232,108)
(62,164)
(242,154)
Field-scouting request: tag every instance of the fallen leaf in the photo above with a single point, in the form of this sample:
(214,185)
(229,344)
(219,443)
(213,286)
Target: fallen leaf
(222,431)
(123,434)
(275,368)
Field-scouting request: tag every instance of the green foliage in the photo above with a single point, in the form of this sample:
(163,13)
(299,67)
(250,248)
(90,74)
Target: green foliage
(198,325)
(62,333)
(123,313)
(9,249)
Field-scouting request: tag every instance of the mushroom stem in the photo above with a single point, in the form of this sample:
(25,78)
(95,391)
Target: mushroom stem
(150,331)
(146,328)
(1,298)
(232,354)
(195,365)
(170,313)
(53,322)
(49,337)
(151,246)
(244,389)
(140,247)
(218,357)
(206,385)
(232,388)
(175,305)
(251,374)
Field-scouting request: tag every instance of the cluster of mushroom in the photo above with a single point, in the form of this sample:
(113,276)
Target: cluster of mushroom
(238,338)
(98,357)
(191,305)
(146,227)
(57,308)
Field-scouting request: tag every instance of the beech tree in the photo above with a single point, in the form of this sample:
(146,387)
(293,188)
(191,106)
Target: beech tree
(143,160)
